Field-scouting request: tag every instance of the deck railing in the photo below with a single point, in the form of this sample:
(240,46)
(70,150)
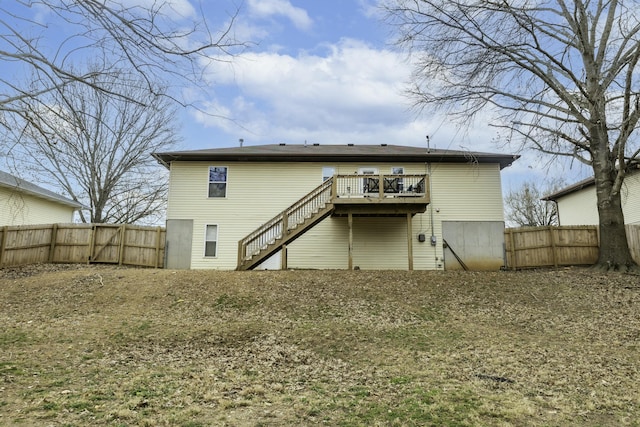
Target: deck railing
(339,187)
(382,186)
(277,227)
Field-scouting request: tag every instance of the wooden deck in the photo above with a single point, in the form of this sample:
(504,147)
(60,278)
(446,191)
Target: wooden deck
(380,195)
(341,195)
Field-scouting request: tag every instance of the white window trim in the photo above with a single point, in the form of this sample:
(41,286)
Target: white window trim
(327,167)
(226,189)
(204,249)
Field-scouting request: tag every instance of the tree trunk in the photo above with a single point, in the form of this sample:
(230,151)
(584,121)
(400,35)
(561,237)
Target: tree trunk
(614,248)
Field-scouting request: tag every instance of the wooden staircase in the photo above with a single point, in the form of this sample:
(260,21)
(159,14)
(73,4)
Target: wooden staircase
(287,226)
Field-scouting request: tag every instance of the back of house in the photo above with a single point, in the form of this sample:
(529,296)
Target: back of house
(349,206)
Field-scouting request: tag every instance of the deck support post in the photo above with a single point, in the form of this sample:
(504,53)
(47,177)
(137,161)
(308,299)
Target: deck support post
(410,241)
(283,258)
(350,221)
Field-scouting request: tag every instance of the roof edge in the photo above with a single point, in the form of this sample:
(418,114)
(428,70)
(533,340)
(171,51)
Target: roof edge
(297,154)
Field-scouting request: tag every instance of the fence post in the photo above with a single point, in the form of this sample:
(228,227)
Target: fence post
(92,242)
(52,246)
(554,249)
(5,231)
(513,250)
(158,236)
(123,230)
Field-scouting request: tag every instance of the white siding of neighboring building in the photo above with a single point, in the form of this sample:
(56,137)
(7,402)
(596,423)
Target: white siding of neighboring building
(256,192)
(631,199)
(580,207)
(18,208)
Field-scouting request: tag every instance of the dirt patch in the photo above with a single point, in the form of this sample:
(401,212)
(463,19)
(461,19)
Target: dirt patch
(97,345)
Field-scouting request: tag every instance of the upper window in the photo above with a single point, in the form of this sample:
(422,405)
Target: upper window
(217,181)
(211,241)
(397,170)
(327,172)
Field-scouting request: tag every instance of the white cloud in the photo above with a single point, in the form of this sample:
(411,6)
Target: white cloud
(268,8)
(350,94)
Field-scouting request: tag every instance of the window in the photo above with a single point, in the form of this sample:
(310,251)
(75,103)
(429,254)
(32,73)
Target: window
(217,181)
(211,241)
(327,172)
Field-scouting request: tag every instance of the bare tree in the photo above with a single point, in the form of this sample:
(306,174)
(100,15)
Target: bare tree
(97,149)
(48,39)
(562,77)
(525,207)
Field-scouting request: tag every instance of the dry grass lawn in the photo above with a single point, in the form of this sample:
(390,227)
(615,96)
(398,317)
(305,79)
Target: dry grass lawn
(105,346)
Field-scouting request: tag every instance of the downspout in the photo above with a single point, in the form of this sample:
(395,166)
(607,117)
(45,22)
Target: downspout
(433,240)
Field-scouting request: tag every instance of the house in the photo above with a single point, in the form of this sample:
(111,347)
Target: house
(348,206)
(23,203)
(577,204)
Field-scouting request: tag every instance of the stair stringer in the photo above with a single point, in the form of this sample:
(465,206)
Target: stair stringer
(277,245)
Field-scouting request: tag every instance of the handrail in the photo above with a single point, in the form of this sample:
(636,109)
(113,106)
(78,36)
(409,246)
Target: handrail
(287,220)
(381,185)
(335,189)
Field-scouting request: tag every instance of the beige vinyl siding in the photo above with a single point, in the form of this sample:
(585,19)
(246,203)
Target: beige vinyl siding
(20,209)
(459,192)
(467,192)
(378,243)
(256,192)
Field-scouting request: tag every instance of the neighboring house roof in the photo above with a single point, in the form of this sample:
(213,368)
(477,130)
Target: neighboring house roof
(579,186)
(20,185)
(570,189)
(334,153)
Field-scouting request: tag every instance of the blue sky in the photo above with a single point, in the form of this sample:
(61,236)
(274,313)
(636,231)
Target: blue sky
(327,72)
(321,71)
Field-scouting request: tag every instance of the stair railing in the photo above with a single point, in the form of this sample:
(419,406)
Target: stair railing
(287,220)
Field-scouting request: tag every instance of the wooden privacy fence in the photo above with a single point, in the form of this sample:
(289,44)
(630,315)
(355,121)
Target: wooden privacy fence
(530,247)
(82,243)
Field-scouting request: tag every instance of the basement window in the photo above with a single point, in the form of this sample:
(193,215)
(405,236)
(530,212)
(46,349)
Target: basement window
(211,241)
(217,181)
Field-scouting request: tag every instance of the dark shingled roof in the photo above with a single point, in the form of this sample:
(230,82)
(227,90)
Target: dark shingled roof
(14,183)
(334,153)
